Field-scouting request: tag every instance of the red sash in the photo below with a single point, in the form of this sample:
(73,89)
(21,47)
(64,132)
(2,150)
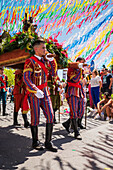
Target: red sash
(1,79)
(42,85)
(25,103)
(74,84)
(41,64)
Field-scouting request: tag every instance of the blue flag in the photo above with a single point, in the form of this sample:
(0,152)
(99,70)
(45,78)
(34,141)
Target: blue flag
(92,65)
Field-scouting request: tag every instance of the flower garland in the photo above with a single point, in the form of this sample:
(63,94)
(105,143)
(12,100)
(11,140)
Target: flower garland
(25,39)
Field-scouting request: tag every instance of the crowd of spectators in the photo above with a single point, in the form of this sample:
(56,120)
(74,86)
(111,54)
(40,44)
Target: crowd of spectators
(98,90)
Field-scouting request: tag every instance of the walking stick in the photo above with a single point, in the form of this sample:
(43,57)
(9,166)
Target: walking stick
(59,109)
(85,104)
(85,114)
(0,107)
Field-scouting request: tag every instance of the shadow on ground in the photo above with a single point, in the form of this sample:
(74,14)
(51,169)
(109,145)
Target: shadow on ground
(100,152)
(14,149)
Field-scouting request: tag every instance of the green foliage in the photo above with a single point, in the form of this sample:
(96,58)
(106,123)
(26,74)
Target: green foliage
(112,96)
(55,47)
(111,66)
(25,40)
(10,74)
(19,40)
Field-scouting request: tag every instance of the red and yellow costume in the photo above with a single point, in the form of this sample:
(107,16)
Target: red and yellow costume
(20,98)
(19,93)
(35,76)
(75,94)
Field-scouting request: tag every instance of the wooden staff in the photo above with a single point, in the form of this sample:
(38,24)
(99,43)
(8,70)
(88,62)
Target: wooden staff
(85,115)
(0,107)
(75,65)
(59,109)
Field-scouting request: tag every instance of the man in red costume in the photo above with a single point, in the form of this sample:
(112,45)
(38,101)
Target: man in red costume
(19,93)
(36,70)
(75,96)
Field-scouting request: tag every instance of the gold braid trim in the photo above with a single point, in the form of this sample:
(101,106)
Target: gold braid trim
(28,69)
(55,65)
(25,111)
(49,81)
(31,91)
(72,76)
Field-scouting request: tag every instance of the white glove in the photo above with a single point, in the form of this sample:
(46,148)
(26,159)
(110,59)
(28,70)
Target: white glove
(50,59)
(80,65)
(39,94)
(85,100)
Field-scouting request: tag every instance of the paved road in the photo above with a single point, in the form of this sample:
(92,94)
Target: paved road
(94,152)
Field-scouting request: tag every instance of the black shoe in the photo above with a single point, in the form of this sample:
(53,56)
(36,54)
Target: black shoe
(26,125)
(48,144)
(55,122)
(77,136)
(67,125)
(16,124)
(75,127)
(49,147)
(80,123)
(52,149)
(5,114)
(81,127)
(37,146)
(35,142)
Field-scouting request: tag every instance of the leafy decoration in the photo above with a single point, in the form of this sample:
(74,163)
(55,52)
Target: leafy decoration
(24,40)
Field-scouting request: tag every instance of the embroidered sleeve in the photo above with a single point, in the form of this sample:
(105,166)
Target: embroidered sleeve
(53,67)
(74,75)
(27,77)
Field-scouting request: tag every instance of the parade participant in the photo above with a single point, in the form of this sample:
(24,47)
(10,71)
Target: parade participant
(75,96)
(54,93)
(35,77)
(3,90)
(19,93)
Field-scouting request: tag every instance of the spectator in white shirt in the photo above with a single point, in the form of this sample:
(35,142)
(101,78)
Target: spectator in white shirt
(96,85)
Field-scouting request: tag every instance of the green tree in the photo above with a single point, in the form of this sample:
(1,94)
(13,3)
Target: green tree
(10,74)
